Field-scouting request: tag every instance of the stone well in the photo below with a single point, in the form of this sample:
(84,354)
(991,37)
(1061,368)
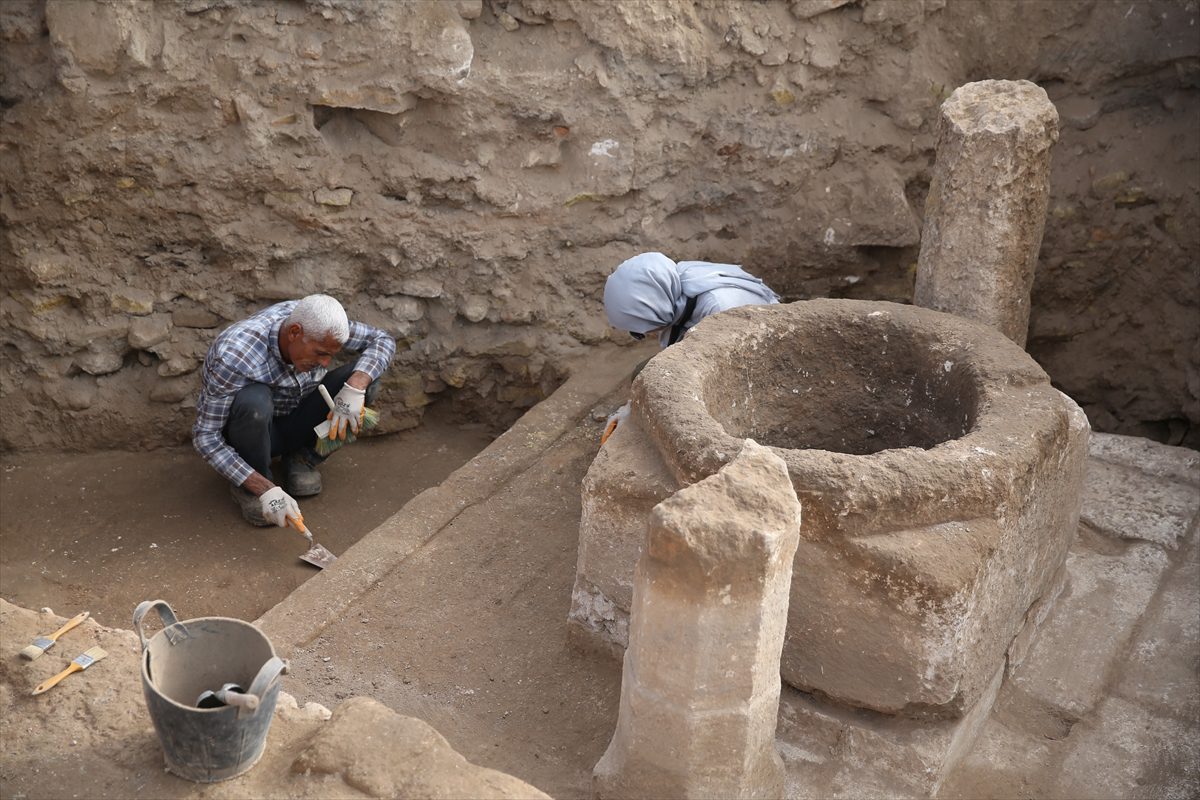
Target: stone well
(938,470)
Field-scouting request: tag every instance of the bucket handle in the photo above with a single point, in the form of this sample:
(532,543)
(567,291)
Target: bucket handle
(249,702)
(175,632)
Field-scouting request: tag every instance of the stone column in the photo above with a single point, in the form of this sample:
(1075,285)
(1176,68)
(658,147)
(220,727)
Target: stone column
(986,208)
(700,686)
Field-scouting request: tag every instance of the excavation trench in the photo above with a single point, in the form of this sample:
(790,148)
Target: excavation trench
(103,531)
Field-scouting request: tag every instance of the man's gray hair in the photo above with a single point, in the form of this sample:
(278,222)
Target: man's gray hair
(320,315)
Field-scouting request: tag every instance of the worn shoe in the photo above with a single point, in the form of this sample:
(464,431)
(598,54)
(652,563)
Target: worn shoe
(251,507)
(303,478)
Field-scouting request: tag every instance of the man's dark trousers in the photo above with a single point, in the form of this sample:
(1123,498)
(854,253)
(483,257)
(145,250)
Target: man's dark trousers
(258,435)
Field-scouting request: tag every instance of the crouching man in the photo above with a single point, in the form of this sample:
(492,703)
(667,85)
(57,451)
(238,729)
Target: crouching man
(259,399)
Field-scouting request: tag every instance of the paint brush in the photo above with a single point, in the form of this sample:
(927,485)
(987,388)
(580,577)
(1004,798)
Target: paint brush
(43,643)
(81,662)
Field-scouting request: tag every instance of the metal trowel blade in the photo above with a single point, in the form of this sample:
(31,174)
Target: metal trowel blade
(318,556)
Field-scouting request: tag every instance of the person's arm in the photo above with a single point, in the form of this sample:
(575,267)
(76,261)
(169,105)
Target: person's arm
(376,349)
(220,384)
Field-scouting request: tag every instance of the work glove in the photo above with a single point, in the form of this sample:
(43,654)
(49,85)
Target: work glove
(278,506)
(614,419)
(347,412)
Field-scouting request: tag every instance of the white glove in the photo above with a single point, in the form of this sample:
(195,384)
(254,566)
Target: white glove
(278,506)
(347,412)
(614,419)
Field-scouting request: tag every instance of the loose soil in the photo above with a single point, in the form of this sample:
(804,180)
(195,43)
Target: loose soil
(104,531)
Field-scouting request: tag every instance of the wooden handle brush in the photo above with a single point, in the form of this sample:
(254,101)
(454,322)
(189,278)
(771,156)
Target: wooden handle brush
(43,643)
(81,662)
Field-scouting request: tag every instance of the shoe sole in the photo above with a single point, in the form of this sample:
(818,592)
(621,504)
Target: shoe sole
(296,491)
(250,513)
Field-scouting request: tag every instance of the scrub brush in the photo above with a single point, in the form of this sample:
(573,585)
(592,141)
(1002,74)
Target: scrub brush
(324,446)
(43,643)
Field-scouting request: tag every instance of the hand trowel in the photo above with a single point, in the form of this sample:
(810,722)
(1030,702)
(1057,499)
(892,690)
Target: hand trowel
(317,555)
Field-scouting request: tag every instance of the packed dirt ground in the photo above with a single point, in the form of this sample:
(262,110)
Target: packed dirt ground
(103,531)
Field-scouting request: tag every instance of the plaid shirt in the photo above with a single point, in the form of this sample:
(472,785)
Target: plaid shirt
(248,352)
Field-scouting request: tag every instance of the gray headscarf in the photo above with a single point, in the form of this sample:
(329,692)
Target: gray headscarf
(650,290)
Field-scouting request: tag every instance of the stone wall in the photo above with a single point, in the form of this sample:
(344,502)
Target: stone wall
(465,173)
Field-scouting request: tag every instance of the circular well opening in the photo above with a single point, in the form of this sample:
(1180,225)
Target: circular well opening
(855,388)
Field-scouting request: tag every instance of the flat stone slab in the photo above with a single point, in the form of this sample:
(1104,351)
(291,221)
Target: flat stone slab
(1177,464)
(1137,489)
(1126,750)
(1162,669)
(837,752)
(1067,668)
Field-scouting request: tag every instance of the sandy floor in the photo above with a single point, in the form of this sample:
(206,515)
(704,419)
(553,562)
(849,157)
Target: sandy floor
(104,531)
(470,635)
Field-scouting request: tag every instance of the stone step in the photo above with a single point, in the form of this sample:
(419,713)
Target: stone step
(1067,668)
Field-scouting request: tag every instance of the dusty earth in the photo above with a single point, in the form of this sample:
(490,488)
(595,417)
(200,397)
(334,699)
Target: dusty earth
(104,531)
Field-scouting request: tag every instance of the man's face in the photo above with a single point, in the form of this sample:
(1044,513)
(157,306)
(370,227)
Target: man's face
(307,354)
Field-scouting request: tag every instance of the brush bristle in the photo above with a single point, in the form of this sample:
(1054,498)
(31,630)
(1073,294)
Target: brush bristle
(31,652)
(325,445)
(94,654)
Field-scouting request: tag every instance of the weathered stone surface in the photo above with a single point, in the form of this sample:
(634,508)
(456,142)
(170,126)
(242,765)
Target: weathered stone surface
(138,302)
(834,752)
(987,202)
(1160,672)
(101,358)
(622,486)
(474,308)
(334,197)
(1127,751)
(806,9)
(700,687)
(96,37)
(1125,502)
(194,318)
(906,593)
(383,755)
(145,332)
(1176,464)
(1065,673)
(1080,113)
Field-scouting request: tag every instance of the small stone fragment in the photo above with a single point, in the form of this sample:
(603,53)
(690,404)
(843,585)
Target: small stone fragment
(474,308)
(145,332)
(100,361)
(177,365)
(334,197)
(1080,113)
(194,318)
(138,302)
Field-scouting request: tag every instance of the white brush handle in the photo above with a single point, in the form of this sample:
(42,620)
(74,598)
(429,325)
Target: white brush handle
(322,430)
(325,395)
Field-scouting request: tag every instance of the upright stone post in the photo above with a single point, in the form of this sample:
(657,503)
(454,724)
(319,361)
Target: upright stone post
(700,686)
(986,209)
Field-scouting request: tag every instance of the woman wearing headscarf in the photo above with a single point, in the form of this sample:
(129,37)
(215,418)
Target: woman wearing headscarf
(652,295)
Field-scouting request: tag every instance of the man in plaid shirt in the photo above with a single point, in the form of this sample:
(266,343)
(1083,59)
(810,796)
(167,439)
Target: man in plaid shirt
(258,399)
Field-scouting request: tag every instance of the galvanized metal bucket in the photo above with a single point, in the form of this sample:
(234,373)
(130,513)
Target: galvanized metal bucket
(191,658)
